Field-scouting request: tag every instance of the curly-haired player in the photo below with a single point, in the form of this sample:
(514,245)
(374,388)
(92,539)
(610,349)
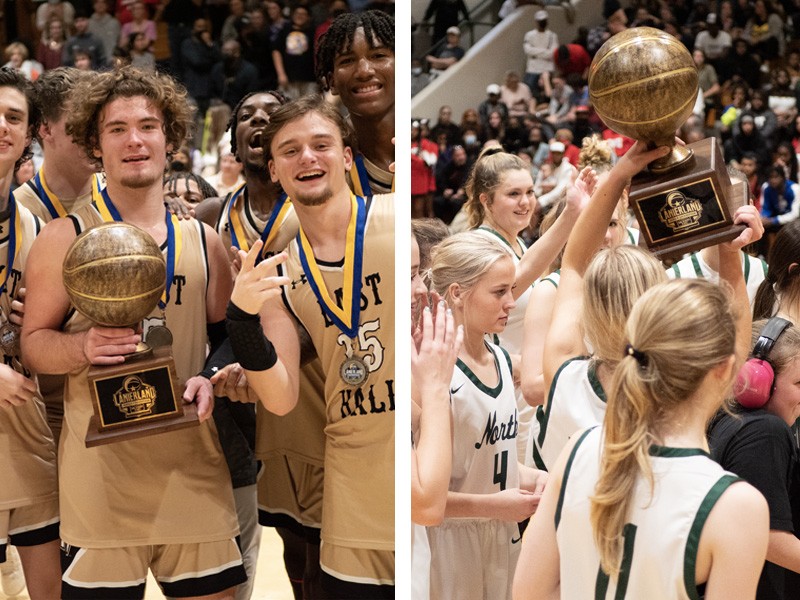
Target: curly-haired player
(355,61)
(176,516)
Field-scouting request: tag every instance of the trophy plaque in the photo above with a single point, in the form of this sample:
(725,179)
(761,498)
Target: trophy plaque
(643,84)
(115,274)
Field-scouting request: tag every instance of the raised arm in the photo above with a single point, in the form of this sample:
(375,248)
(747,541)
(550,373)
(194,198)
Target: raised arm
(541,255)
(564,339)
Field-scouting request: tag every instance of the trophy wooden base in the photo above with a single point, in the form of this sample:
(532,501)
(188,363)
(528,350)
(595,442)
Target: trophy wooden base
(689,208)
(137,398)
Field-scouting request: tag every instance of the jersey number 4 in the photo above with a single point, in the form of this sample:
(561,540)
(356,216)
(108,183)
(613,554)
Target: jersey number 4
(501,469)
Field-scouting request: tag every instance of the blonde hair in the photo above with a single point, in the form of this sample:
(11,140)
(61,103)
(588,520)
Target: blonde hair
(485,177)
(664,327)
(614,280)
(595,153)
(463,258)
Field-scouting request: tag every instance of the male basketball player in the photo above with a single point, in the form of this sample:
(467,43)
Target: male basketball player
(341,289)
(163,502)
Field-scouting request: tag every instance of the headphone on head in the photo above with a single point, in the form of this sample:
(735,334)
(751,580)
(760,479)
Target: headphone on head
(756,378)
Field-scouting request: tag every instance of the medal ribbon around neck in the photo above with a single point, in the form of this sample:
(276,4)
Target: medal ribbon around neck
(271,229)
(361,185)
(347,318)
(110,213)
(14,239)
(48,198)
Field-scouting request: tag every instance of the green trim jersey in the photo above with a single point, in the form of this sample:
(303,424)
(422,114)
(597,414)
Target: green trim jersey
(27,451)
(478,556)
(358,504)
(511,338)
(169,488)
(694,267)
(663,529)
(576,400)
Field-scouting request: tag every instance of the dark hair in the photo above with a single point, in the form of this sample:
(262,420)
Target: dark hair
(288,113)
(234,120)
(53,89)
(206,189)
(781,279)
(377,25)
(14,79)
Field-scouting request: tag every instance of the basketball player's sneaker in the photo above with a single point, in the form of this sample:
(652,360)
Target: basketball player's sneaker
(11,578)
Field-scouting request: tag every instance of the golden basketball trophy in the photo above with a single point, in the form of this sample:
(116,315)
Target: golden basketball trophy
(643,84)
(115,274)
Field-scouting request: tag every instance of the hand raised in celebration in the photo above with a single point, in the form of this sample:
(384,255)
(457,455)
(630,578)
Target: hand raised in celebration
(257,283)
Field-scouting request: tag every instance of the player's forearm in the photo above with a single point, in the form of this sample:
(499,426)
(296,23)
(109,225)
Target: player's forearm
(433,463)
(275,388)
(53,352)
(784,550)
(541,255)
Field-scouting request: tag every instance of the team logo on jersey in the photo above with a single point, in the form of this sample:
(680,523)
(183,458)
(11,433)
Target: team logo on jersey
(680,213)
(135,398)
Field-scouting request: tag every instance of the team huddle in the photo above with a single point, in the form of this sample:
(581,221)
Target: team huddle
(304,328)
(584,423)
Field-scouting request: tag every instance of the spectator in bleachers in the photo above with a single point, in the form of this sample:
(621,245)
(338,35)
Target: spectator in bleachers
(140,23)
(538,149)
(423,164)
(616,21)
(471,142)
(582,127)
(492,103)
(18,59)
(549,187)
(785,158)
(747,140)
(229,177)
(199,54)
(764,117)
(516,95)
(84,41)
(748,165)
(708,81)
(780,200)
(714,42)
(275,21)
(51,44)
(179,15)
(539,45)
(55,8)
(561,97)
(445,14)
(725,16)
(446,56)
(445,125)
(471,120)
(738,101)
(105,27)
(782,99)
(572,58)
(764,31)
(450,185)
(232,78)
(293,54)
(419,78)
(257,48)
(335,8)
(793,66)
(740,63)
(139,51)
(233,22)
(571,151)
(496,127)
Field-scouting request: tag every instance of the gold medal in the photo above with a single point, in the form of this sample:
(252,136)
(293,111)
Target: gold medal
(353,371)
(9,339)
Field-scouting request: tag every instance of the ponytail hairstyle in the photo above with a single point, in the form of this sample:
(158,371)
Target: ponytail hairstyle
(614,281)
(486,176)
(664,363)
(783,281)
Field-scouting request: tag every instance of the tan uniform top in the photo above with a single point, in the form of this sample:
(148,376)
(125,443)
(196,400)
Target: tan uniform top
(27,450)
(358,505)
(169,488)
(366,178)
(298,434)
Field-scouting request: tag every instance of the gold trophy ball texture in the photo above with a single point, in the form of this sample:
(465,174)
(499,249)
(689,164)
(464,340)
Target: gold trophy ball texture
(643,84)
(114,274)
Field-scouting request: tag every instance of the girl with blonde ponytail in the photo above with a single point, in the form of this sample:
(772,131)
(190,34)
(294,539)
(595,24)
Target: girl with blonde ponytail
(636,508)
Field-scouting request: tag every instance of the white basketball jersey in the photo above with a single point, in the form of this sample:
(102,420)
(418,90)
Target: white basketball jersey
(694,267)
(576,401)
(484,430)
(662,529)
(511,339)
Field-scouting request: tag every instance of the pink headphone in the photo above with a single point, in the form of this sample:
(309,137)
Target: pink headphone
(756,378)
